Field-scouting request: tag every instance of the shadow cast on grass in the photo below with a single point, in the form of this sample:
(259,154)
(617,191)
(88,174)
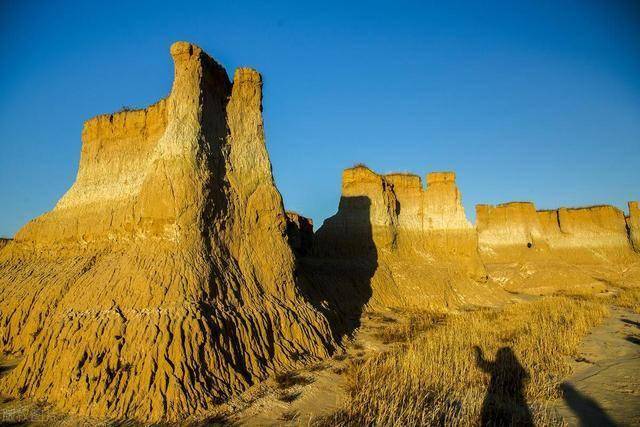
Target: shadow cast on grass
(504,403)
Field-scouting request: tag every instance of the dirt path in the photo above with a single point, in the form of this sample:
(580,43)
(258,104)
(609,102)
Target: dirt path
(605,387)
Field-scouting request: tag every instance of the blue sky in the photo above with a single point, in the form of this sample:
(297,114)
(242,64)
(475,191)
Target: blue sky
(534,100)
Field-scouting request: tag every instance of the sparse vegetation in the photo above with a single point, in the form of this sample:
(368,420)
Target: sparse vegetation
(417,321)
(360,165)
(218,420)
(628,298)
(379,317)
(435,379)
(625,297)
(339,370)
(289,396)
(318,367)
(290,416)
(290,379)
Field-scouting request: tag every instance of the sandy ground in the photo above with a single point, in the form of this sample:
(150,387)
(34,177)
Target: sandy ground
(604,389)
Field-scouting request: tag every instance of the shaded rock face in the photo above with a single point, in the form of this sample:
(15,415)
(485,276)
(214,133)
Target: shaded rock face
(173,240)
(343,268)
(300,233)
(368,213)
(414,247)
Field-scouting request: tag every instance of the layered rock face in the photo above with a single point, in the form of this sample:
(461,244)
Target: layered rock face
(162,282)
(512,228)
(414,246)
(593,228)
(445,223)
(443,208)
(508,227)
(549,250)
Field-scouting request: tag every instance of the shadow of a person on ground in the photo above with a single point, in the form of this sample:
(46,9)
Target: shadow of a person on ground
(586,409)
(504,403)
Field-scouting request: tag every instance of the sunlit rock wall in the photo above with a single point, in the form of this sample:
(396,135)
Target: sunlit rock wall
(162,283)
(423,248)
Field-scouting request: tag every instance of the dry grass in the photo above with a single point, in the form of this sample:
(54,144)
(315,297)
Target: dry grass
(318,367)
(436,378)
(289,379)
(628,298)
(416,322)
(289,397)
(290,416)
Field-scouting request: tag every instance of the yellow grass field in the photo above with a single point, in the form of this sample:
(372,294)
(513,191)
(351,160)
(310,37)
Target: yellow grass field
(461,369)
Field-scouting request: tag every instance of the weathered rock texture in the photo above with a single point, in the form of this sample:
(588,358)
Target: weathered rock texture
(446,226)
(518,228)
(162,281)
(413,246)
(509,227)
(633,224)
(550,250)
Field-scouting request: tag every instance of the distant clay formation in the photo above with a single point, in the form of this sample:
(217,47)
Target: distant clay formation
(418,232)
(170,277)
(515,229)
(423,249)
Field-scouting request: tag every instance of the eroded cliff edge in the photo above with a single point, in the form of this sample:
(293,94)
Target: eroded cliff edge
(171,240)
(583,232)
(543,251)
(401,245)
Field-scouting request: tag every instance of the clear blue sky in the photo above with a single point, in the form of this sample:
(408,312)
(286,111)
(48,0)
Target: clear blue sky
(534,100)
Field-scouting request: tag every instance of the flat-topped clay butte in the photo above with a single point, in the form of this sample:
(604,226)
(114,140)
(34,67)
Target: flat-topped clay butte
(162,281)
